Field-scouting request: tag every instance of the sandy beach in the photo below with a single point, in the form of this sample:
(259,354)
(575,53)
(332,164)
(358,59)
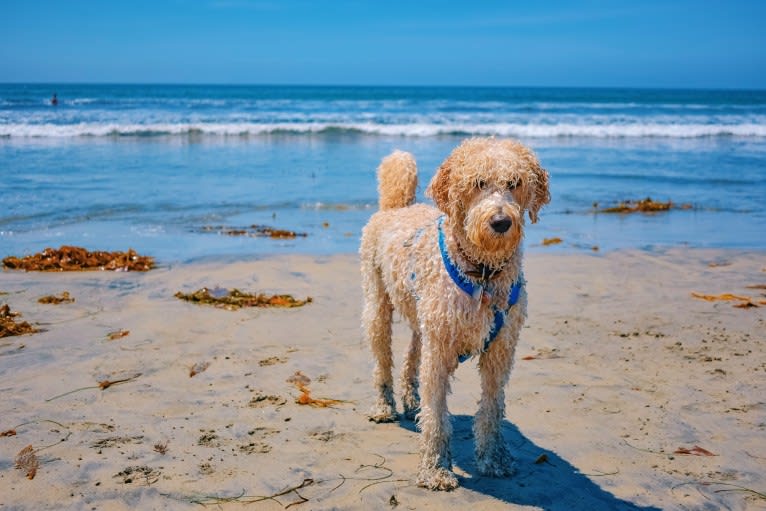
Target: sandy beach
(627,392)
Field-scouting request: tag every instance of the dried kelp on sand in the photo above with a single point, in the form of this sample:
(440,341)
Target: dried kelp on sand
(235,299)
(64,297)
(9,326)
(70,258)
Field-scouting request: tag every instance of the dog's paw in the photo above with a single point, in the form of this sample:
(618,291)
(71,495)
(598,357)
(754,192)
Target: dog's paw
(383,412)
(437,479)
(411,404)
(496,462)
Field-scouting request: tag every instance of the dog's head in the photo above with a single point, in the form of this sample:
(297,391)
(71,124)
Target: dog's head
(484,187)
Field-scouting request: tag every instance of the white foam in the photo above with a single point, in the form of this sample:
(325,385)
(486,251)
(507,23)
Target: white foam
(424,129)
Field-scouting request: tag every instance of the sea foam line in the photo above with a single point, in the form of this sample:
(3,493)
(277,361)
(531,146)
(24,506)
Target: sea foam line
(627,130)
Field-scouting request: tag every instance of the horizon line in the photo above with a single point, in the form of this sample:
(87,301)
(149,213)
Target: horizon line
(391,86)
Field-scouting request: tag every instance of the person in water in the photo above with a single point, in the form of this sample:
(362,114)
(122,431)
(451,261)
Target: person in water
(54,100)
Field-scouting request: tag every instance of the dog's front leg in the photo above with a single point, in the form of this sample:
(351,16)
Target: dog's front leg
(492,455)
(435,470)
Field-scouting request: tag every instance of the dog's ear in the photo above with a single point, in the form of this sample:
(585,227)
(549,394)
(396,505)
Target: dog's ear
(542,195)
(438,188)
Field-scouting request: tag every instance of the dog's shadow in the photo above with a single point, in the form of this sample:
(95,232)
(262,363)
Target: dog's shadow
(543,479)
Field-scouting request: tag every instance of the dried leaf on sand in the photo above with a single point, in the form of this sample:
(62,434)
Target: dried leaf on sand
(694,451)
(117,334)
(56,300)
(234,299)
(8,432)
(647,205)
(197,368)
(27,461)
(9,326)
(69,258)
(721,297)
(746,305)
(254,231)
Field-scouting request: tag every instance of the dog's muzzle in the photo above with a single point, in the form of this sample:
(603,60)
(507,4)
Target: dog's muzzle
(500,224)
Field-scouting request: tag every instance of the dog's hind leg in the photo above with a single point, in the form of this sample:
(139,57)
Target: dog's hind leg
(492,455)
(376,318)
(409,378)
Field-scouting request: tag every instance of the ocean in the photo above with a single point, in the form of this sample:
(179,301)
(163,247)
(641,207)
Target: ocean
(164,168)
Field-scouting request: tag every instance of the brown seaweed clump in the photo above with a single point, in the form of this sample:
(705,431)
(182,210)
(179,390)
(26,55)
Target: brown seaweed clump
(255,231)
(9,326)
(68,258)
(27,461)
(56,300)
(234,299)
(647,205)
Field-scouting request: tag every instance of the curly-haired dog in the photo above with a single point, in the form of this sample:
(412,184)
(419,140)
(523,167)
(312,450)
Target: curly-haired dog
(455,275)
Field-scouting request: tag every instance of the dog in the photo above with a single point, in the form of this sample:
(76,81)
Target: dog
(454,273)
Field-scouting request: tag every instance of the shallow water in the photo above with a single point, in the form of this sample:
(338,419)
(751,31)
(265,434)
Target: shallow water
(154,188)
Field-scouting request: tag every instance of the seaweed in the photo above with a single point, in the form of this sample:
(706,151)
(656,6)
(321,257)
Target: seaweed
(301,382)
(551,241)
(27,460)
(139,473)
(744,302)
(647,205)
(197,368)
(161,447)
(102,385)
(234,299)
(694,451)
(117,334)
(9,326)
(254,231)
(56,300)
(69,258)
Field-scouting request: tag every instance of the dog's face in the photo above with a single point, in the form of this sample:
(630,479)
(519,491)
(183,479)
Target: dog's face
(485,186)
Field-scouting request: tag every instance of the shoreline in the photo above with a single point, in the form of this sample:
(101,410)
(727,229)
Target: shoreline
(617,371)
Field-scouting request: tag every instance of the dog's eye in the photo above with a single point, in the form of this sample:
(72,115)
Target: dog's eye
(513,184)
(481,184)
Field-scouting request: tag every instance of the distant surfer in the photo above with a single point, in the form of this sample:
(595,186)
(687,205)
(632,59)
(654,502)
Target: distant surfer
(54,100)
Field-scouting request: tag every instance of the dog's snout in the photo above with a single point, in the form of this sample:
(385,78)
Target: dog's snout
(500,223)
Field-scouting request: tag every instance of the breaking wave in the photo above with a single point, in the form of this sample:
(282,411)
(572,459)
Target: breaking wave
(531,130)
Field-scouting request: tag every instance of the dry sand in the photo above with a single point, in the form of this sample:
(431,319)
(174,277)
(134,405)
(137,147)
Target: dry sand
(617,369)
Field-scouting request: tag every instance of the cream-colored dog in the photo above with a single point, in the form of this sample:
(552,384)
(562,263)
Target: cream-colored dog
(455,275)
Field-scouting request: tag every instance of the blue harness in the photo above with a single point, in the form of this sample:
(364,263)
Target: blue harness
(471,289)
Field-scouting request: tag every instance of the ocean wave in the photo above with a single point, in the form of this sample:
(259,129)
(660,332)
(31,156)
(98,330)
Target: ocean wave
(531,130)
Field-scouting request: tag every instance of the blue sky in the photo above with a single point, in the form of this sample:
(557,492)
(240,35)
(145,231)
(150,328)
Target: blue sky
(642,43)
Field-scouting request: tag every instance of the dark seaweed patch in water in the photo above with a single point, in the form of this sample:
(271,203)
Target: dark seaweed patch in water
(254,231)
(647,205)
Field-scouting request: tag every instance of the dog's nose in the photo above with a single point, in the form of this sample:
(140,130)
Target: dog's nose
(500,223)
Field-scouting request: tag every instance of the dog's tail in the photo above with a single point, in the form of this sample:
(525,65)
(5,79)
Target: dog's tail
(397,180)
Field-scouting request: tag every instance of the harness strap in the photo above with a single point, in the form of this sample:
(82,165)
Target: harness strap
(471,289)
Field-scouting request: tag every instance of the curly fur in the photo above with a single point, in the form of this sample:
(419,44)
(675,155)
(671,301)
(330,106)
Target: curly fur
(484,183)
